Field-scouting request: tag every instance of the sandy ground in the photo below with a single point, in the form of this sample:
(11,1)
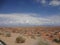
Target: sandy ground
(11,40)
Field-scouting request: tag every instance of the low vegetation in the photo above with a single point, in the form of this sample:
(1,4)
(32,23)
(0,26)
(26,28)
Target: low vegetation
(57,40)
(38,35)
(33,37)
(42,42)
(20,39)
(1,33)
(8,34)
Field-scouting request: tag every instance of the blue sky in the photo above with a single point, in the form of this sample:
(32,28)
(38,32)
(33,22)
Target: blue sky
(30,12)
(28,6)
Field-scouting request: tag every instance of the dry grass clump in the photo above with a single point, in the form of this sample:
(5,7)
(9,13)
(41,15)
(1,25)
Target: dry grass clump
(7,34)
(33,37)
(38,35)
(1,33)
(42,42)
(56,40)
(20,39)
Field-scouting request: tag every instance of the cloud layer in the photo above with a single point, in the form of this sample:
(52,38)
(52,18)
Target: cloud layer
(50,3)
(27,19)
(55,3)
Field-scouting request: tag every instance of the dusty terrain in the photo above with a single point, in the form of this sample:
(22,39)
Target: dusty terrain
(47,33)
(29,41)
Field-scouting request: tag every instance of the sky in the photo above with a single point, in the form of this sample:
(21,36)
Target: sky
(29,12)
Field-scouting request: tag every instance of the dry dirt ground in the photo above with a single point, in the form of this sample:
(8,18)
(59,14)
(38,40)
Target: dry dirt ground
(29,41)
(11,40)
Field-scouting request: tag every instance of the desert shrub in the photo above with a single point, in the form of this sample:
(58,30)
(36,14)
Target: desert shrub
(1,33)
(42,42)
(47,34)
(33,37)
(51,36)
(55,33)
(14,31)
(20,39)
(38,35)
(56,40)
(8,34)
(38,32)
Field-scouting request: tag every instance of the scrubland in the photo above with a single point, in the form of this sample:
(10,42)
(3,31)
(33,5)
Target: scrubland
(30,35)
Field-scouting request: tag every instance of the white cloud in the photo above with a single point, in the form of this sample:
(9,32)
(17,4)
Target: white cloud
(41,1)
(50,3)
(16,19)
(55,19)
(55,3)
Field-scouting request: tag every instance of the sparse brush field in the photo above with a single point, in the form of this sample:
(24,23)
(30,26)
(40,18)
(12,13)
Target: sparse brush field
(14,36)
